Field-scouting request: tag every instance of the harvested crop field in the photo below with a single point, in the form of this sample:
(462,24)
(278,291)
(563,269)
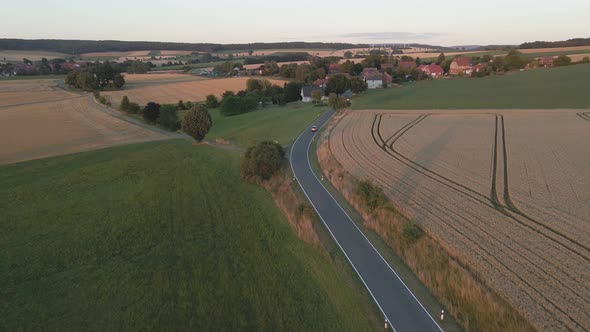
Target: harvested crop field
(37,120)
(171,92)
(505,192)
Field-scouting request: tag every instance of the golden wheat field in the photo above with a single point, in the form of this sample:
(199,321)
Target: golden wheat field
(37,120)
(172,92)
(505,192)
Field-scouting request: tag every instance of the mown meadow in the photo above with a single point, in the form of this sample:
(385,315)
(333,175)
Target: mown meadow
(160,236)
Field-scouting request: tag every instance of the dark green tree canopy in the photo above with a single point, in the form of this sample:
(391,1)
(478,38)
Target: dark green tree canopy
(151,112)
(262,160)
(197,122)
(337,84)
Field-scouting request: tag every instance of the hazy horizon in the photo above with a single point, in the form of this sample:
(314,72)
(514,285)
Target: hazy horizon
(230,21)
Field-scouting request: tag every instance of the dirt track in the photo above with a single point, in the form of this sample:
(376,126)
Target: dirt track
(506,192)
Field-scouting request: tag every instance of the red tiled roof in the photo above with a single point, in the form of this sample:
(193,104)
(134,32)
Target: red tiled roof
(373,76)
(368,70)
(462,61)
(436,69)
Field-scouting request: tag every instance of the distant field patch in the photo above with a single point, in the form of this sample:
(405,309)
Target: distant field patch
(561,87)
(280,124)
(38,120)
(18,56)
(168,52)
(171,93)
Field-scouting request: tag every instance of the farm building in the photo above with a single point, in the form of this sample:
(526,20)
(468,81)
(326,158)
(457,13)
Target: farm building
(307,93)
(546,61)
(461,66)
(432,70)
(320,82)
(373,77)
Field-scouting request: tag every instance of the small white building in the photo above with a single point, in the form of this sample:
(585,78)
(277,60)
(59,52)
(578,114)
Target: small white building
(374,80)
(307,93)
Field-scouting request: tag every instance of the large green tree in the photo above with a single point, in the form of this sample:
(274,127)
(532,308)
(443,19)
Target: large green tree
(358,85)
(337,84)
(151,112)
(197,122)
(262,160)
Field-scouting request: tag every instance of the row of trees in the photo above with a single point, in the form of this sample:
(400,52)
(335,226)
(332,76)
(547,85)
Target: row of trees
(259,92)
(196,121)
(96,76)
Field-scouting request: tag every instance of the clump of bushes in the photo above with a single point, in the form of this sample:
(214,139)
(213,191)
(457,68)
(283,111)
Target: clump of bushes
(124,106)
(211,101)
(96,76)
(234,105)
(168,117)
(562,60)
(411,232)
(151,112)
(371,195)
(262,160)
(197,122)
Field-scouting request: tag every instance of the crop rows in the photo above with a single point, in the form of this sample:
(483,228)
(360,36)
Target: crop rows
(452,174)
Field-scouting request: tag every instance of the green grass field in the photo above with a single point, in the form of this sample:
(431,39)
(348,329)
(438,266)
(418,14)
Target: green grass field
(563,87)
(159,236)
(282,124)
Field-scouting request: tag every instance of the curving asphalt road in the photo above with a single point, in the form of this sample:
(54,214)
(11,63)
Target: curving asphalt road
(397,303)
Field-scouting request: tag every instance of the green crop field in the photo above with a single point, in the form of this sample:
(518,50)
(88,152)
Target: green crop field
(276,123)
(160,236)
(562,87)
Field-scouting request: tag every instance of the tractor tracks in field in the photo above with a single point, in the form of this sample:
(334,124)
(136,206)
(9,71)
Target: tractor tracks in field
(584,116)
(507,208)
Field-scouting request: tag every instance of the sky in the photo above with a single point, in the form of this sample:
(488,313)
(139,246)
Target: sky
(447,23)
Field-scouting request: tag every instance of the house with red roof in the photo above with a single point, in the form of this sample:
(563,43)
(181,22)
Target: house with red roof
(480,67)
(461,66)
(320,82)
(432,70)
(373,77)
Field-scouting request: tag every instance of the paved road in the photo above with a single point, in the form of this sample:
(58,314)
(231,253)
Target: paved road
(396,301)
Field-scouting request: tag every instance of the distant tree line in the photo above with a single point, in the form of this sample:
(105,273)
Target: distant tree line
(566,43)
(87,46)
(258,93)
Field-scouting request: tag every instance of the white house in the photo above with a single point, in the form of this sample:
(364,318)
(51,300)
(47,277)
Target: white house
(307,93)
(374,79)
